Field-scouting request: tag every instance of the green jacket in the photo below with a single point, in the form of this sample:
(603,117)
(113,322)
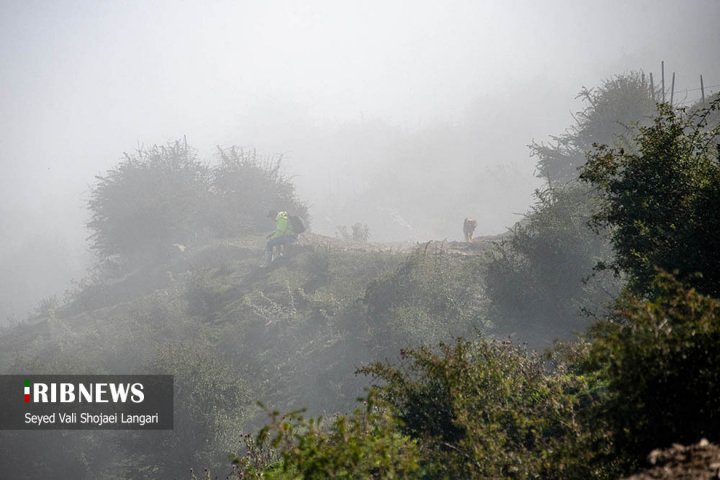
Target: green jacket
(282,226)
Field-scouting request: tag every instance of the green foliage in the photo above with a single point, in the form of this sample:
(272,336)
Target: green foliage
(257,460)
(210,406)
(540,277)
(661,364)
(537,280)
(661,200)
(613,109)
(245,188)
(487,409)
(479,409)
(428,299)
(162,196)
(364,444)
(154,198)
(206,315)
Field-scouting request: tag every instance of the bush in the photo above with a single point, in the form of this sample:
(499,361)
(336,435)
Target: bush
(487,409)
(661,200)
(541,278)
(475,410)
(365,444)
(162,196)
(429,298)
(537,279)
(246,188)
(155,198)
(661,362)
(613,109)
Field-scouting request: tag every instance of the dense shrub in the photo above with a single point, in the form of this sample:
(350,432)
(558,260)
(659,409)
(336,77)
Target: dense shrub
(541,277)
(245,187)
(364,444)
(538,278)
(661,363)
(472,410)
(429,298)
(612,111)
(661,200)
(154,198)
(160,199)
(487,409)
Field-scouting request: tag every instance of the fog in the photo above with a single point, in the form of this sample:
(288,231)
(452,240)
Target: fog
(406,116)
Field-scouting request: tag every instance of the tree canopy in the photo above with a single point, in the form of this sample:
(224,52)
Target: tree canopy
(164,195)
(155,197)
(542,277)
(660,200)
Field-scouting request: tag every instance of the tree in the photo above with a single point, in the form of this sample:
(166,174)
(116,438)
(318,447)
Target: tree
(542,277)
(657,353)
(245,188)
(154,198)
(612,111)
(660,200)
(163,195)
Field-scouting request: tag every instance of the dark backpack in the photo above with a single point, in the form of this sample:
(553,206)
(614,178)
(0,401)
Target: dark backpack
(296,224)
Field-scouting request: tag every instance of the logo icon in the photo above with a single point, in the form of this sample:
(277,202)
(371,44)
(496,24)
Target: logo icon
(27,391)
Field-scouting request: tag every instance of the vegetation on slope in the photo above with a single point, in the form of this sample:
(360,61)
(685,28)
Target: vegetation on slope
(294,335)
(645,376)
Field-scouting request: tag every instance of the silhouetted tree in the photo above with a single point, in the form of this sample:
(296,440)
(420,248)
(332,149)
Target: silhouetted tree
(612,111)
(538,279)
(154,198)
(245,187)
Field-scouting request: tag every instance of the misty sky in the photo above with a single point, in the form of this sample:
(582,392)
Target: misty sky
(350,92)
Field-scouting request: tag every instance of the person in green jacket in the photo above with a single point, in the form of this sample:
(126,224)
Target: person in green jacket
(282,236)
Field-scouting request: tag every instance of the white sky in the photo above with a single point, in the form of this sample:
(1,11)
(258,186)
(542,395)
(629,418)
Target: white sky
(83,81)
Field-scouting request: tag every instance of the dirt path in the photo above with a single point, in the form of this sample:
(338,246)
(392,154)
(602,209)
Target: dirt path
(479,245)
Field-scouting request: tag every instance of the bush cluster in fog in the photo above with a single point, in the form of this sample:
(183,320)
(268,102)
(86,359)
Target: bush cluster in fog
(164,195)
(543,273)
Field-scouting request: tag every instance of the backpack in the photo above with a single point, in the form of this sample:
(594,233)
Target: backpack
(296,224)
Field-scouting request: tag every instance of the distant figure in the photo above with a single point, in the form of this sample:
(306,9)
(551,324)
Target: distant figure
(283,235)
(468,228)
(287,229)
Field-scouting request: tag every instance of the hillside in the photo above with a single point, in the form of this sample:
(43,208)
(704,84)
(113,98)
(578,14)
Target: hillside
(291,335)
(355,359)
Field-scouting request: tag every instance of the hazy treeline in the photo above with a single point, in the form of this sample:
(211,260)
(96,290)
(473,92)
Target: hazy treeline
(165,195)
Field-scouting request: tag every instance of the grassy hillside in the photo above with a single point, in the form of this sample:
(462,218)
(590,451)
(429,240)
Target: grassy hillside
(291,336)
